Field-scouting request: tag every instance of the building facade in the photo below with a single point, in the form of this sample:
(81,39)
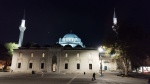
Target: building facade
(61,60)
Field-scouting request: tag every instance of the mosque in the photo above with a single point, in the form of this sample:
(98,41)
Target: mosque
(75,58)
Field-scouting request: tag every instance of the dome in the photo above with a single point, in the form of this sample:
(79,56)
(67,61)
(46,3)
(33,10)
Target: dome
(70,36)
(70,39)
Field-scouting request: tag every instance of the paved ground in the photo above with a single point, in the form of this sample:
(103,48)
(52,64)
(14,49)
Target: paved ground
(51,78)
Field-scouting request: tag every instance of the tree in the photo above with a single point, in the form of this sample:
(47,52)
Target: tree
(10,47)
(9,52)
(134,44)
(130,44)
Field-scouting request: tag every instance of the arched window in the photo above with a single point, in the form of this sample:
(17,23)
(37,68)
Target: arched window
(43,54)
(66,64)
(30,64)
(78,64)
(66,55)
(42,64)
(19,64)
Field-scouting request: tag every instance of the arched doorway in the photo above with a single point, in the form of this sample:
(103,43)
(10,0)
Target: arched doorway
(54,63)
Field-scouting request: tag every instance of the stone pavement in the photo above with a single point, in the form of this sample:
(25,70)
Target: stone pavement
(112,78)
(55,78)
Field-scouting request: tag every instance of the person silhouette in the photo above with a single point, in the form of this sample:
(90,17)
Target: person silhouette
(84,73)
(94,76)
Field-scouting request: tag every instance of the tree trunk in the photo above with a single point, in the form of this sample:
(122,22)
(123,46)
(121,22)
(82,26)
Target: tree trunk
(125,64)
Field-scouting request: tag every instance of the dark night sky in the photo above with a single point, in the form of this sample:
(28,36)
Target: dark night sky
(48,20)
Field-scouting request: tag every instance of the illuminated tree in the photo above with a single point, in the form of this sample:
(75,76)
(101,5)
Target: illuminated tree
(7,54)
(10,47)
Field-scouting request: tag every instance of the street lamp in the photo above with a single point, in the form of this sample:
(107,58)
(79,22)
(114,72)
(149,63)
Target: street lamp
(100,49)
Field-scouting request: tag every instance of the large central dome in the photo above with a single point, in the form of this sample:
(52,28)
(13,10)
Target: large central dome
(70,39)
(70,35)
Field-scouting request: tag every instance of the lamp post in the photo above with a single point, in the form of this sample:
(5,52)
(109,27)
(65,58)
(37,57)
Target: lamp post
(100,49)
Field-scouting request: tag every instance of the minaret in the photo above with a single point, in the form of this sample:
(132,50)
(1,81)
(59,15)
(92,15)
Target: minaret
(114,18)
(22,29)
(115,26)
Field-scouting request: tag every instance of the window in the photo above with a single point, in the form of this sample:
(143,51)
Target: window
(30,65)
(66,65)
(90,66)
(43,54)
(19,65)
(78,66)
(42,65)
(66,55)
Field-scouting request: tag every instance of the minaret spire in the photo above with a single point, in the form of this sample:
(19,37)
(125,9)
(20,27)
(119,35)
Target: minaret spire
(22,29)
(24,15)
(114,18)
(115,26)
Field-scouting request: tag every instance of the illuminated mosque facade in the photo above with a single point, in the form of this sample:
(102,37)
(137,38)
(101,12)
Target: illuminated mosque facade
(62,59)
